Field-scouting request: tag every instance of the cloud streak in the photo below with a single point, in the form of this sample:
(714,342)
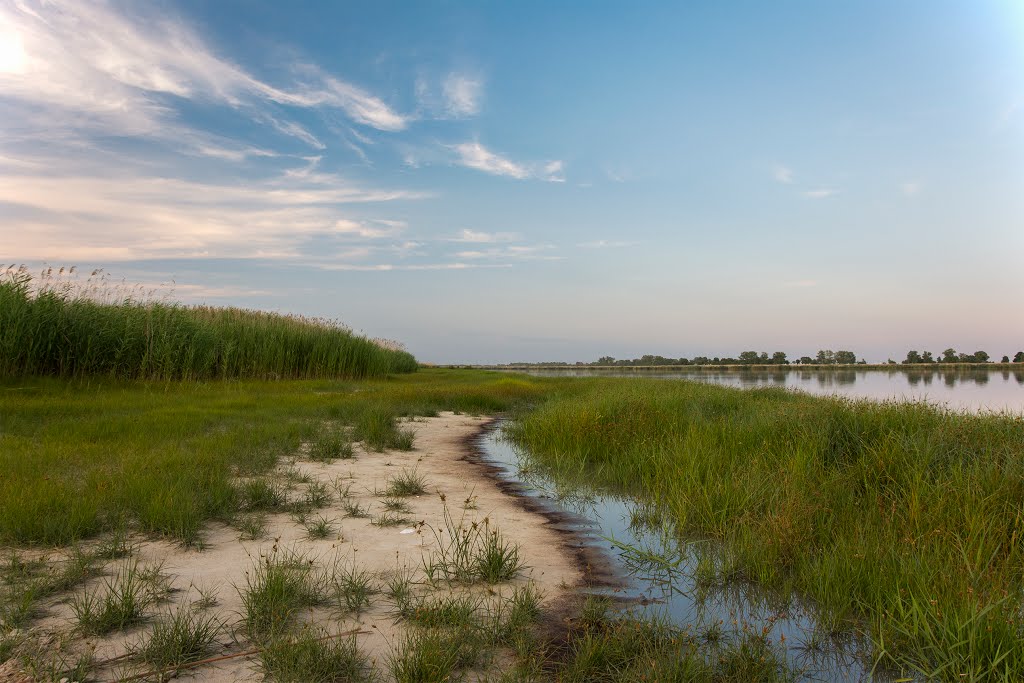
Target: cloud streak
(474,155)
(124,73)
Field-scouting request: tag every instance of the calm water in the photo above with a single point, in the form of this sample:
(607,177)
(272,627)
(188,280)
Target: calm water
(972,389)
(659,570)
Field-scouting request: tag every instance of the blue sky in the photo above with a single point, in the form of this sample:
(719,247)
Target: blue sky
(492,182)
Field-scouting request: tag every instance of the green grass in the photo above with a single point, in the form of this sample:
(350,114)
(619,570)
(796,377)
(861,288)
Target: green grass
(320,528)
(406,483)
(601,648)
(377,429)
(433,656)
(901,520)
(178,638)
(314,656)
(352,588)
(81,457)
(330,446)
(470,552)
(277,589)
(49,326)
(123,601)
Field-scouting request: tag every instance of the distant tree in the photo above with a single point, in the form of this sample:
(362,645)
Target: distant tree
(605,360)
(826,357)
(980,357)
(1018,357)
(912,358)
(862,362)
(806,360)
(949,356)
(701,360)
(845,357)
(1006,359)
(779,358)
(926,357)
(748,357)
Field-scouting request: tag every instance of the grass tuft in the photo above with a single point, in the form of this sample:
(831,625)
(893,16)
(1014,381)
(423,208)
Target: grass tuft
(277,588)
(406,483)
(377,428)
(180,637)
(121,603)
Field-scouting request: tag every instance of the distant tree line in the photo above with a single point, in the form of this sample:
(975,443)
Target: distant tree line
(823,357)
(951,356)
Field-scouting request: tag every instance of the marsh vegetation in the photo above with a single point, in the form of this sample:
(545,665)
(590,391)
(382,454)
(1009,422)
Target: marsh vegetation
(901,523)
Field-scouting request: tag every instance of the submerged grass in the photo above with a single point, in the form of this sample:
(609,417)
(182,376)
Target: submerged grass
(901,519)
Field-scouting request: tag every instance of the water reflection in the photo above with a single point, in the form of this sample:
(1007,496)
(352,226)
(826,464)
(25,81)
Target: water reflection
(971,388)
(689,583)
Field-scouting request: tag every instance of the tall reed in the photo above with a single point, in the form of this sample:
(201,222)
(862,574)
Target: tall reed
(48,327)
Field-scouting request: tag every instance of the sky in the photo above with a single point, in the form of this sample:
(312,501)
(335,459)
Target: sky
(535,181)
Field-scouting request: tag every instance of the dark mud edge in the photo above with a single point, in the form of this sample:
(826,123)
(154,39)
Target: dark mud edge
(597,574)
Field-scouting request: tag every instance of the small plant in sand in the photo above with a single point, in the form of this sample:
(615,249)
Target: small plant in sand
(448,611)
(432,655)
(320,528)
(354,509)
(277,588)
(406,483)
(179,637)
(331,445)
(318,495)
(121,603)
(389,519)
(315,656)
(467,553)
(398,587)
(352,588)
(251,526)
(25,582)
(391,504)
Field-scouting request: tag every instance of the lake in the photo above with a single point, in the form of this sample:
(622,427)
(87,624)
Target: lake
(958,388)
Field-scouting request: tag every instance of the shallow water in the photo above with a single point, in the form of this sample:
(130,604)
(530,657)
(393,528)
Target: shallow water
(970,389)
(660,575)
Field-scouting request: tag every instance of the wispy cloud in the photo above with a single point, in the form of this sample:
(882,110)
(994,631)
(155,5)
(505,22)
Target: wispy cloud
(462,94)
(821,193)
(782,174)
(511,252)
(294,130)
(480,237)
(476,156)
(386,267)
(120,72)
(121,217)
(606,244)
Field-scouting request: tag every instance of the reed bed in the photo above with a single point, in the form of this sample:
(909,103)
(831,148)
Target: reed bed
(900,520)
(50,326)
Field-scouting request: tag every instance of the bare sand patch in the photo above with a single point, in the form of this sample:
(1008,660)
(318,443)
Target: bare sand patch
(214,577)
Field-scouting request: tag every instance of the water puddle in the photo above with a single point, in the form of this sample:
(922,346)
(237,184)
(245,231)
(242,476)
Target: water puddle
(662,575)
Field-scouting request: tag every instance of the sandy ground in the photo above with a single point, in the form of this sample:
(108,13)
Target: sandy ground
(220,569)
